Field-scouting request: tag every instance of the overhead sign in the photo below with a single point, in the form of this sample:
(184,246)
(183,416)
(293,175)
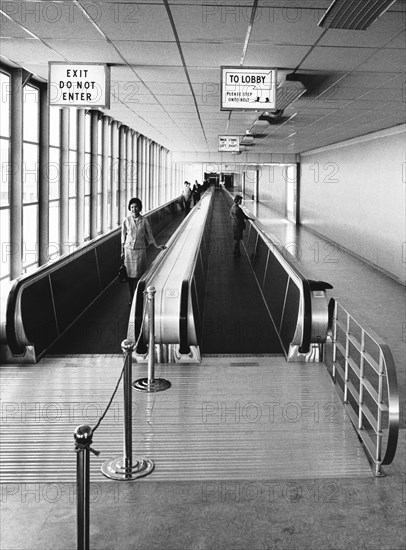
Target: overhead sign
(248,88)
(229,143)
(79,84)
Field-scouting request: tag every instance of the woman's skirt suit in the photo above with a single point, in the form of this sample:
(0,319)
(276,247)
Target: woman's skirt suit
(136,234)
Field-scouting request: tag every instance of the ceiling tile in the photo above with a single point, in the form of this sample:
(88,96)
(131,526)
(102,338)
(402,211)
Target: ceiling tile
(355,80)
(28,51)
(136,21)
(91,51)
(207,23)
(56,19)
(148,53)
(11,29)
(342,59)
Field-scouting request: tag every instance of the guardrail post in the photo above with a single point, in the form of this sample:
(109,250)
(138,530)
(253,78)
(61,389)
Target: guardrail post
(124,468)
(384,424)
(83,439)
(151,384)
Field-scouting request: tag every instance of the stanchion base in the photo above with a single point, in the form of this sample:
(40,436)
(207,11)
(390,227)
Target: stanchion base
(159,384)
(115,469)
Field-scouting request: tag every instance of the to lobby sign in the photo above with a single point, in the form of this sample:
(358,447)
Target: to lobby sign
(248,88)
(229,143)
(79,85)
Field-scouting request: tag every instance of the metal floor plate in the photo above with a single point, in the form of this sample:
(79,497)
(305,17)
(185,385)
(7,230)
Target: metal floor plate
(221,420)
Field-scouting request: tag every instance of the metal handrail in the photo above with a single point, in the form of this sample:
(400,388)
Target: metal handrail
(16,338)
(299,279)
(165,263)
(387,402)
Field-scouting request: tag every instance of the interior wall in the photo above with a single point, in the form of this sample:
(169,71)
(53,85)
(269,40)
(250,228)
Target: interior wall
(194,172)
(250,181)
(237,180)
(272,186)
(353,193)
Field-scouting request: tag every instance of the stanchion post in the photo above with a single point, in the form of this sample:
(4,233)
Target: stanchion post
(151,384)
(83,439)
(127,347)
(124,468)
(151,329)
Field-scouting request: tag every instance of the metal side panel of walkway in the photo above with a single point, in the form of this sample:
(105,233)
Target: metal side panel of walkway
(230,418)
(103,326)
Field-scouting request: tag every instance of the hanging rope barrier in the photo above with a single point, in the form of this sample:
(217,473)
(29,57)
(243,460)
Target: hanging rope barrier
(120,469)
(122,370)
(124,468)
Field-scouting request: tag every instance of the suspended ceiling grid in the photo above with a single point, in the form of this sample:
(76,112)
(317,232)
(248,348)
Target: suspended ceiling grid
(165,58)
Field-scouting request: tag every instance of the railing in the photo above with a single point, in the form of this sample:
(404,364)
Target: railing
(364,373)
(297,306)
(42,305)
(179,276)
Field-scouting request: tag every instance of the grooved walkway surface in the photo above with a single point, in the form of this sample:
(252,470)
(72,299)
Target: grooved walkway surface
(229,418)
(236,319)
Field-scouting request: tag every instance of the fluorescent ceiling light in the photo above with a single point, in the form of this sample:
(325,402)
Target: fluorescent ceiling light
(353,14)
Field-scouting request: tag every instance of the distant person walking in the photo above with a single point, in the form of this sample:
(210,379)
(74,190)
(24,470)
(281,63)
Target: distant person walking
(196,192)
(238,217)
(136,233)
(186,197)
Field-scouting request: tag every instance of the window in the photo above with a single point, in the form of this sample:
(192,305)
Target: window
(5,172)
(99,174)
(87,175)
(54,181)
(65,182)
(114,175)
(73,175)
(30,177)
(108,153)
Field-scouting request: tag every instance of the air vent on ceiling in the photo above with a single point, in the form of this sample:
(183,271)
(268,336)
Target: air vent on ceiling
(353,14)
(288,92)
(247,140)
(260,126)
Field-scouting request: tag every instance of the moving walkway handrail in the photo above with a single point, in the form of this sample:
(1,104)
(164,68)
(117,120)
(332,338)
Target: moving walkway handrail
(164,267)
(301,281)
(16,338)
(312,317)
(136,314)
(299,311)
(386,402)
(87,256)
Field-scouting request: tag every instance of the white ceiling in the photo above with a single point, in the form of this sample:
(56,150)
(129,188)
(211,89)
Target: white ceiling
(165,59)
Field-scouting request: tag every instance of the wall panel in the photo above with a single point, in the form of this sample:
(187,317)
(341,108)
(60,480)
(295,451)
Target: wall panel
(353,193)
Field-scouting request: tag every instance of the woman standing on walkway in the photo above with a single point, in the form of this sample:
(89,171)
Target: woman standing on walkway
(238,217)
(136,234)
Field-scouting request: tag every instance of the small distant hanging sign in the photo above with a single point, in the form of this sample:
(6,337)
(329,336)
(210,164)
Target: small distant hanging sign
(229,143)
(79,85)
(248,88)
